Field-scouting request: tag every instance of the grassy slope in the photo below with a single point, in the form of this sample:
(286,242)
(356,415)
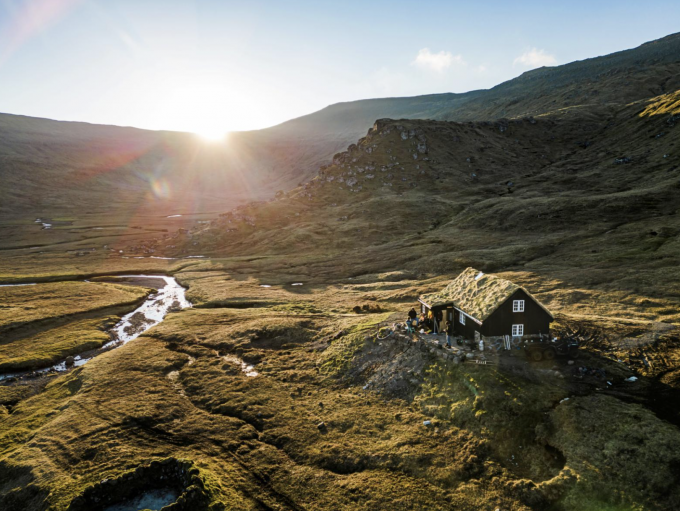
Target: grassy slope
(42,324)
(502,437)
(36,304)
(257,436)
(522,196)
(594,240)
(51,346)
(54,168)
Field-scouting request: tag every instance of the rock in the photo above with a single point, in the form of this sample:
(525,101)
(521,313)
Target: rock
(69,361)
(427,423)
(321,426)
(571,362)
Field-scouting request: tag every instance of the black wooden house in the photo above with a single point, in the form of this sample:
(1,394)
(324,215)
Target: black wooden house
(486,306)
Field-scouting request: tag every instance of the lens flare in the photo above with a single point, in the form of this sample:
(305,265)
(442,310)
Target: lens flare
(160,188)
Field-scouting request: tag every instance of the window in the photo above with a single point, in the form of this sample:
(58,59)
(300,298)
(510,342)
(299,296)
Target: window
(517,330)
(462,318)
(518,306)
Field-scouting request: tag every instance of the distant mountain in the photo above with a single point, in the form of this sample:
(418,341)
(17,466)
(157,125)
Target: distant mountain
(48,166)
(620,78)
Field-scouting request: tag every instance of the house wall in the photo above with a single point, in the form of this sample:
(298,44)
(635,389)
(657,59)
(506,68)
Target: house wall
(534,318)
(468,329)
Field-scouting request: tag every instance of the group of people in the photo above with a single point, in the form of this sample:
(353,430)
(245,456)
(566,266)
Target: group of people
(432,321)
(414,321)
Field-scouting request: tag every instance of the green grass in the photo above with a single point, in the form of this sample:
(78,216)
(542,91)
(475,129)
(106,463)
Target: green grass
(53,345)
(24,305)
(574,229)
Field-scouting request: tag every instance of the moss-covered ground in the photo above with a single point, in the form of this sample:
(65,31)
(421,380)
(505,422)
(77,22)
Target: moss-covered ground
(322,424)
(281,395)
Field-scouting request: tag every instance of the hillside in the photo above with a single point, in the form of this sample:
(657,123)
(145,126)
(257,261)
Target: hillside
(269,372)
(54,168)
(597,83)
(589,202)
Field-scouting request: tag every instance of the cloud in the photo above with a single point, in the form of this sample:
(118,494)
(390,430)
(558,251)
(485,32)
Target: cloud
(535,58)
(437,61)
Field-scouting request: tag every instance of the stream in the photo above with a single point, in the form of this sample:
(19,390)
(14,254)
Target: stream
(170,297)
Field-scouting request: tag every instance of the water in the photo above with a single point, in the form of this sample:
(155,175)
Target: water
(132,325)
(153,310)
(13,285)
(246,369)
(154,257)
(152,500)
(45,225)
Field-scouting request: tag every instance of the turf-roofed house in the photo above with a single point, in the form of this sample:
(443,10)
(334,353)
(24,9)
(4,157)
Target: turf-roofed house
(486,306)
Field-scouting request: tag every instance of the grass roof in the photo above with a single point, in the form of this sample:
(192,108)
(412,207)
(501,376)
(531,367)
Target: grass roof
(475,293)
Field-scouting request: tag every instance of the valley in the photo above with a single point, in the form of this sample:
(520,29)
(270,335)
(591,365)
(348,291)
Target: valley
(267,385)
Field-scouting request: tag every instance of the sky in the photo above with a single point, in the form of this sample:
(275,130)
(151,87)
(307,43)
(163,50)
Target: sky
(218,66)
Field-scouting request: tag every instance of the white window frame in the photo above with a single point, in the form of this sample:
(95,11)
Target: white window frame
(517,330)
(518,306)
(461,318)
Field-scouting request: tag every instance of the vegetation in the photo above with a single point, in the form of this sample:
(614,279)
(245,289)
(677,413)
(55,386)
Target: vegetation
(274,392)
(53,345)
(37,305)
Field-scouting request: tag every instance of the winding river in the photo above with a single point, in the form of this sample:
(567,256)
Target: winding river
(169,298)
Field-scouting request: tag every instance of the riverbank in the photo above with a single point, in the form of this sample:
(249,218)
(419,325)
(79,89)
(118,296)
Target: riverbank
(55,349)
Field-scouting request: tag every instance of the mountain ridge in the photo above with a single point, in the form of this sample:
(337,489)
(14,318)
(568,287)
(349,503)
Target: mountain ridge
(255,165)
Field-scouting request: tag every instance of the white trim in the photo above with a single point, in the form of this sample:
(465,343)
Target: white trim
(453,306)
(533,298)
(518,306)
(518,330)
(466,314)
(461,318)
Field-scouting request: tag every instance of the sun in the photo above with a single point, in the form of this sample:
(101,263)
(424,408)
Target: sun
(212,134)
